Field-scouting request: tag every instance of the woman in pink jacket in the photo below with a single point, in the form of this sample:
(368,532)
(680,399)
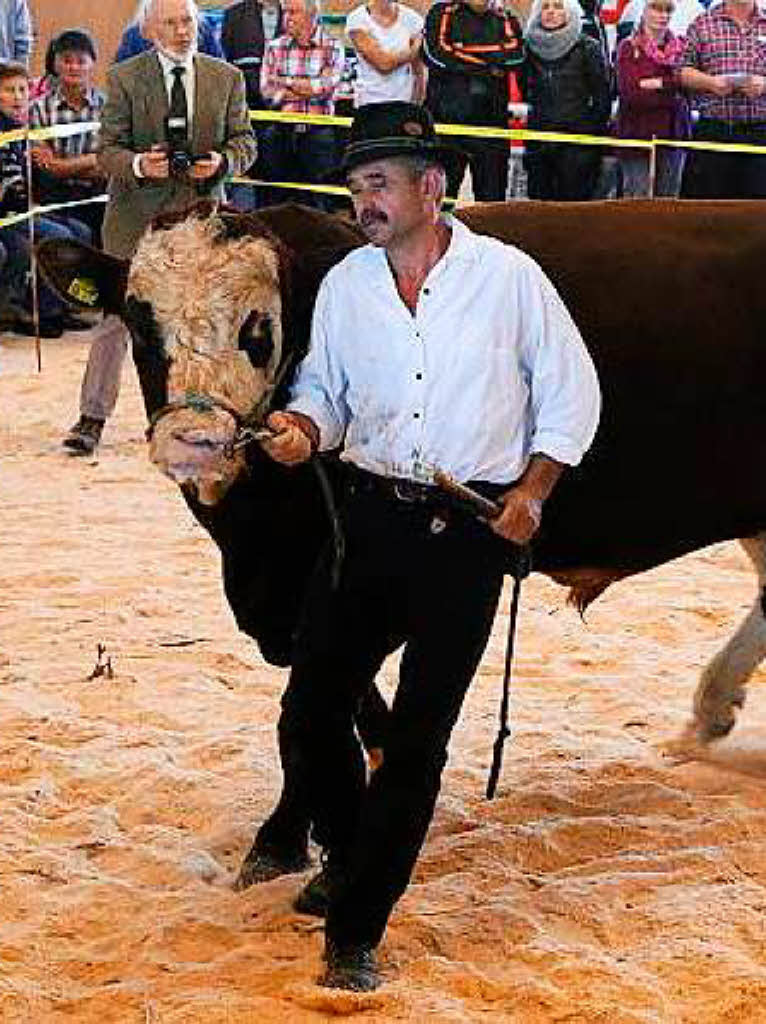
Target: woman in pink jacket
(651,101)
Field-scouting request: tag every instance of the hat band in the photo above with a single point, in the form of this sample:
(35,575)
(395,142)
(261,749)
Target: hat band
(386,143)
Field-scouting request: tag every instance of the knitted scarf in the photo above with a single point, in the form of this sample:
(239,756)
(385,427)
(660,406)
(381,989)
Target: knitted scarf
(553,44)
(666,51)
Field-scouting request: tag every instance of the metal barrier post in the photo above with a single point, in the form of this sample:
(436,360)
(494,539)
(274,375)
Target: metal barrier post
(33,257)
(652,168)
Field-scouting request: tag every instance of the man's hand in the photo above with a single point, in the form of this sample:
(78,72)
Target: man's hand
(206,167)
(42,156)
(293,443)
(523,505)
(754,87)
(154,164)
(520,518)
(650,83)
(720,85)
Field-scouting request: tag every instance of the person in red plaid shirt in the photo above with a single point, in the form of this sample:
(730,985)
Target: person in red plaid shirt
(725,65)
(300,74)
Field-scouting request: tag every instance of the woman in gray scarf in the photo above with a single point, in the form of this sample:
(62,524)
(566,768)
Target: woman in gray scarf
(567,86)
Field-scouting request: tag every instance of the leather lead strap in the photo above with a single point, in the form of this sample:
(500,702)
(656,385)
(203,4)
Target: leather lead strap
(522,569)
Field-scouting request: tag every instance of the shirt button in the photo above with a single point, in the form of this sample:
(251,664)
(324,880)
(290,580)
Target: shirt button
(426,291)
(416,415)
(418,376)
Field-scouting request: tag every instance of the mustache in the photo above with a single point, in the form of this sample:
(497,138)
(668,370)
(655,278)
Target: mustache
(369,217)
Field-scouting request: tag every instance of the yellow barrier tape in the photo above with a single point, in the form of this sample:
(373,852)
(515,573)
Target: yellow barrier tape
(472,131)
(57,131)
(520,134)
(713,147)
(14,218)
(334,190)
(467,131)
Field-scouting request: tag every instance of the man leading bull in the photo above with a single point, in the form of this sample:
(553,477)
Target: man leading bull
(431,347)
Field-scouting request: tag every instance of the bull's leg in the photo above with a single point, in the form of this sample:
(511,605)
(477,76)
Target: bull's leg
(721,688)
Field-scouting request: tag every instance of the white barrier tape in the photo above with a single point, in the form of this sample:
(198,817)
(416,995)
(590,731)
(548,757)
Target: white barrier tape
(41,211)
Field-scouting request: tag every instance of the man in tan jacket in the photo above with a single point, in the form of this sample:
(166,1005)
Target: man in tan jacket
(174,125)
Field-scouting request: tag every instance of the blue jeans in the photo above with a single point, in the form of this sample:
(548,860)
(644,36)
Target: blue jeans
(15,241)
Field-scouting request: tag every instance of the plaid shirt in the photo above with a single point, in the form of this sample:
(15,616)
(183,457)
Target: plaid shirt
(320,63)
(52,109)
(717,45)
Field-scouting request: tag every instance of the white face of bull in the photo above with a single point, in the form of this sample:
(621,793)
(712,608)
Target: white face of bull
(203,290)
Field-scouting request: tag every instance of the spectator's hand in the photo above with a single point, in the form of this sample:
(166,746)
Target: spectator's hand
(520,518)
(415,43)
(42,156)
(650,83)
(720,85)
(291,446)
(301,87)
(754,87)
(154,164)
(206,167)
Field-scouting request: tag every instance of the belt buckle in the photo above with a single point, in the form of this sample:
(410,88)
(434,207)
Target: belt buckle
(410,492)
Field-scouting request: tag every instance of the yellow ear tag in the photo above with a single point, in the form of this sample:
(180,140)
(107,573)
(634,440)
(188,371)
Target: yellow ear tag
(84,290)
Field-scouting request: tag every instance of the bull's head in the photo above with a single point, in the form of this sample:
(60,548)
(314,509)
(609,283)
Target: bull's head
(201,298)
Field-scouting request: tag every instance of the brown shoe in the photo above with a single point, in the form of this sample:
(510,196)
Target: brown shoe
(84,436)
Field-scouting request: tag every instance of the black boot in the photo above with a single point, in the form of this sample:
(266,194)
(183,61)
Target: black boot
(314,898)
(264,865)
(354,968)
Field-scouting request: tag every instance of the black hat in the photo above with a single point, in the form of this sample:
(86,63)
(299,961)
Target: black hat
(394,128)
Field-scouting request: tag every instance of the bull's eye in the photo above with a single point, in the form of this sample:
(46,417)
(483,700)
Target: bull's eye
(256,339)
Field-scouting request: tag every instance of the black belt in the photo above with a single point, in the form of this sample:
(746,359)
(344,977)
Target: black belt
(395,488)
(411,492)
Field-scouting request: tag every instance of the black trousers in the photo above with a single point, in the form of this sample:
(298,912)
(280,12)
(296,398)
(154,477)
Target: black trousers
(561,172)
(407,580)
(488,160)
(300,153)
(726,175)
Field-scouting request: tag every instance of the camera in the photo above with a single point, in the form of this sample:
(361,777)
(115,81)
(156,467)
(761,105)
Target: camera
(177,138)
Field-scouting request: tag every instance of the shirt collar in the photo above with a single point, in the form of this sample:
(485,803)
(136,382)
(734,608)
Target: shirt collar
(59,99)
(167,64)
(719,10)
(462,247)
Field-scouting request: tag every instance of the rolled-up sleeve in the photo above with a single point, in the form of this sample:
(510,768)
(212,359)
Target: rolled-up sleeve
(319,388)
(564,390)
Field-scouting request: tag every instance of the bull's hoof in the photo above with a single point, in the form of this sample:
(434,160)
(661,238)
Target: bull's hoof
(262,866)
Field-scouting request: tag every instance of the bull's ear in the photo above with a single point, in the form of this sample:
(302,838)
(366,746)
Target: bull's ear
(82,276)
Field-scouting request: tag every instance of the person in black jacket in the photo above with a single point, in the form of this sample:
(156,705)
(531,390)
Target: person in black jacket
(469,50)
(567,86)
(246,28)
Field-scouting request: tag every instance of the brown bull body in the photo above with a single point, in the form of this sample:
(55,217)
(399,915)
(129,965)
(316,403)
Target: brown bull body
(668,299)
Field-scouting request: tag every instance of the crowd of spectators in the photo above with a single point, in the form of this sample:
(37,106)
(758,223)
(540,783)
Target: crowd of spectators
(671,70)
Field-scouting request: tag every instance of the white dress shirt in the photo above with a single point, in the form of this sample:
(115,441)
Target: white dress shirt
(166,66)
(488,371)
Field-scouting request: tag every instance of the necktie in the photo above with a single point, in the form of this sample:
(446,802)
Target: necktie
(179,111)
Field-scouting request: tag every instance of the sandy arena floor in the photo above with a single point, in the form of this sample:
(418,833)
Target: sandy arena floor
(602,885)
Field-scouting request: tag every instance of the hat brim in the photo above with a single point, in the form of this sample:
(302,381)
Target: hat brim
(366,152)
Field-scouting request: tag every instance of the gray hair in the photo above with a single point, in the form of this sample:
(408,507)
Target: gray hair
(312,7)
(146,8)
(417,166)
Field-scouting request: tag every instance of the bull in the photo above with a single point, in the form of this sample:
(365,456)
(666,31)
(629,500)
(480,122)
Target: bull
(668,299)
